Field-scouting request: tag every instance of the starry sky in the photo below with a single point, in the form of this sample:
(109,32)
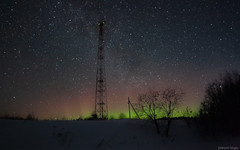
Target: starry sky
(48,51)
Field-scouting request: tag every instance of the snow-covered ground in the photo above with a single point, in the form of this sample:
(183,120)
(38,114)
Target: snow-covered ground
(109,134)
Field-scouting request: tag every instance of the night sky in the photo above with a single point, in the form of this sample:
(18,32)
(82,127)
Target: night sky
(48,51)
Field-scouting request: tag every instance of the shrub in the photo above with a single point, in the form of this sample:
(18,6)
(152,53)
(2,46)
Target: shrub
(31,117)
(122,116)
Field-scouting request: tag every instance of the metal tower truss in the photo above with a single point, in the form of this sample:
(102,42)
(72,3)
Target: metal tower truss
(101,109)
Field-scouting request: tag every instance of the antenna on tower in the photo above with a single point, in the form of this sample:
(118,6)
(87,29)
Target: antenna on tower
(101,109)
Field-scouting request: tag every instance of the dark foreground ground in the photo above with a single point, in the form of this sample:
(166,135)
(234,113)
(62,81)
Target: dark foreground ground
(108,134)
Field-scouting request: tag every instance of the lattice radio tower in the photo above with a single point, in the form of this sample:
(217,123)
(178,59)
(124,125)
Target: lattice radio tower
(101,109)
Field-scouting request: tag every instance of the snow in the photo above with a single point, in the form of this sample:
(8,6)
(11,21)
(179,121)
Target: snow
(108,134)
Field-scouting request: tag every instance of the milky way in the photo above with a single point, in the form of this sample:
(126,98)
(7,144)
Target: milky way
(49,50)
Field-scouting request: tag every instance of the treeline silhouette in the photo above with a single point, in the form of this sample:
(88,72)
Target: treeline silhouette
(14,117)
(220,110)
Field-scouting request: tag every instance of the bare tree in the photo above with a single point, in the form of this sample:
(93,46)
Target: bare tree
(170,100)
(148,105)
(156,104)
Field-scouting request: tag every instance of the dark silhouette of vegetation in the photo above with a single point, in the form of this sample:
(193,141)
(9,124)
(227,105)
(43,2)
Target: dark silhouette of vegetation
(31,117)
(148,104)
(92,117)
(122,116)
(219,112)
(111,117)
(11,117)
(15,117)
(187,112)
(170,100)
(156,104)
(80,118)
(188,116)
